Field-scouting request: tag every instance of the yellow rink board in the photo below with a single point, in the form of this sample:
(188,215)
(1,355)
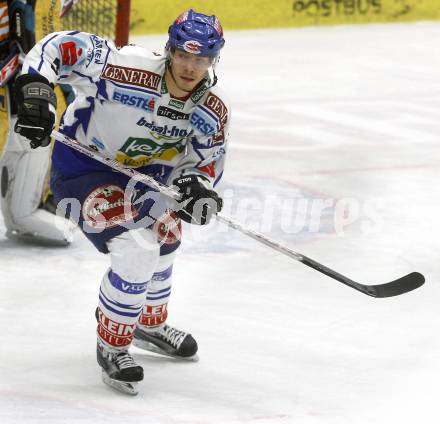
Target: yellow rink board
(46,12)
(154,16)
(46,17)
(4,125)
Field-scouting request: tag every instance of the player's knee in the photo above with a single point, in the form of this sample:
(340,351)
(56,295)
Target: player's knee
(162,275)
(166,261)
(134,255)
(169,233)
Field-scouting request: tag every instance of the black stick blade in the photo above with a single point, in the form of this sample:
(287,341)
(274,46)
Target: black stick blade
(394,288)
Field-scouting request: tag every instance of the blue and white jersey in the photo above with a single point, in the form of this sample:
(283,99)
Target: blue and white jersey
(124,111)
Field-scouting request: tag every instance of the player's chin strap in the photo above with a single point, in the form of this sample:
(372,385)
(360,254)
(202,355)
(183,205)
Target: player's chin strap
(214,78)
(393,288)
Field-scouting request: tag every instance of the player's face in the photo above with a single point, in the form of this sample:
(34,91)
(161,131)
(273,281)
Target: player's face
(188,69)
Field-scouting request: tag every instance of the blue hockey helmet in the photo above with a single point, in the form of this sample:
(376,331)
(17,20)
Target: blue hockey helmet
(196,33)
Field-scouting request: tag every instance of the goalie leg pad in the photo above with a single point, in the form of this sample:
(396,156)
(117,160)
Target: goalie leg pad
(22,24)
(23,173)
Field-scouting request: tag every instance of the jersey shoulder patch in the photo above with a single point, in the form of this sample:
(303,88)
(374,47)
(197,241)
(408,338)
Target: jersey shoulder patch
(211,115)
(72,51)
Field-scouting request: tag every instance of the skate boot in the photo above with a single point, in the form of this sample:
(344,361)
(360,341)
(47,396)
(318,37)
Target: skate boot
(166,340)
(119,369)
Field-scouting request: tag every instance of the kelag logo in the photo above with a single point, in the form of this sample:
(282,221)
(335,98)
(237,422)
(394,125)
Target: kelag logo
(141,151)
(316,8)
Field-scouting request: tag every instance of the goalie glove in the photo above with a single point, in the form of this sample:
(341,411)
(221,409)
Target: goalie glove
(198,203)
(36,106)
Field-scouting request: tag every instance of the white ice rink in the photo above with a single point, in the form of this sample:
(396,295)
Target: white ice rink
(343,117)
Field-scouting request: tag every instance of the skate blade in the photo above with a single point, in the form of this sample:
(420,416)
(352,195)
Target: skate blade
(121,386)
(144,345)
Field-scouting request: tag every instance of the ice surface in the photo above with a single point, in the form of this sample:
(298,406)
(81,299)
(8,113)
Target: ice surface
(330,116)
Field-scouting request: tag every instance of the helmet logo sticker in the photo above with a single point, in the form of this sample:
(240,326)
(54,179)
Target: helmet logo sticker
(182,18)
(218,27)
(192,46)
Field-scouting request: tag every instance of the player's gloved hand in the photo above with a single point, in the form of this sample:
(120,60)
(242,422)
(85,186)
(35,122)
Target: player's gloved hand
(36,108)
(198,203)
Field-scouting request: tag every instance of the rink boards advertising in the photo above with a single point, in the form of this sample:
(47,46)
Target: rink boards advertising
(46,21)
(283,13)
(246,15)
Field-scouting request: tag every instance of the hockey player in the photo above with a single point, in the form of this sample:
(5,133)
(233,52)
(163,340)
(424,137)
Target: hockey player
(27,213)
(162,114)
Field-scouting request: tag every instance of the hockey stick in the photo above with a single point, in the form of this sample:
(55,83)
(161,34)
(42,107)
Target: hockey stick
(394,288)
